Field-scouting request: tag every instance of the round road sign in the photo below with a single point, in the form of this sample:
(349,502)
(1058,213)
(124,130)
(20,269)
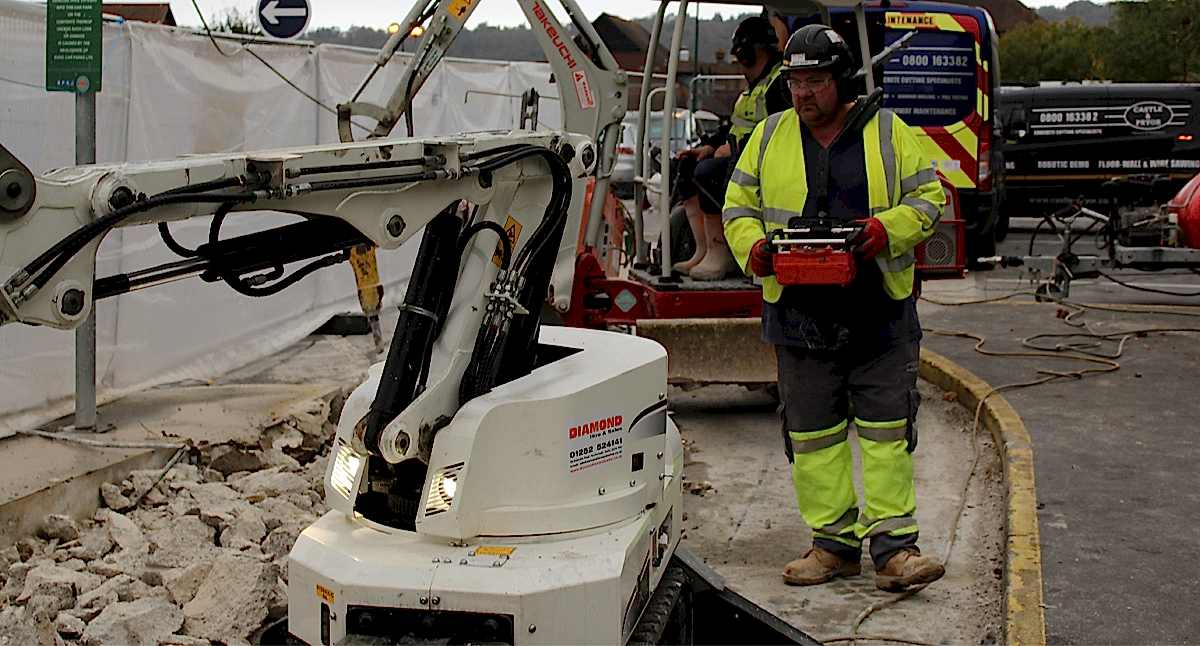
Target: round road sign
(283,18)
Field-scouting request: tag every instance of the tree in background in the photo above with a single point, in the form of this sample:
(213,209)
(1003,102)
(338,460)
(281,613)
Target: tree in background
(1149,41)
(1154,41)
(1058,51)
(232,21)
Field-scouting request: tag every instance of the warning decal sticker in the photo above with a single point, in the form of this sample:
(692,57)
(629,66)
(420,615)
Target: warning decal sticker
(513,229)
(583,90)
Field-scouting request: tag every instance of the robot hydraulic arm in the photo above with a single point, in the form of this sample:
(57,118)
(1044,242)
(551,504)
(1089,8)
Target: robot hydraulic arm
(461,329)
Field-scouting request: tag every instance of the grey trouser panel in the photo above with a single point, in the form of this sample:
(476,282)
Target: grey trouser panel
(818,388)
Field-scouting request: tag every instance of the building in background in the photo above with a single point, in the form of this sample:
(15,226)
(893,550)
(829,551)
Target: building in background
(159,14)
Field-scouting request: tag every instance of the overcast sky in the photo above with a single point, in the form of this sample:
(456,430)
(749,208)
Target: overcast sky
(378,13)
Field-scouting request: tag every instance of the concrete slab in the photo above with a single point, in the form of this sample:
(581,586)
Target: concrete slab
(39,476)
(747,526)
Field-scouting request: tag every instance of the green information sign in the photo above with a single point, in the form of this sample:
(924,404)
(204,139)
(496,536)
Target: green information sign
(74,44)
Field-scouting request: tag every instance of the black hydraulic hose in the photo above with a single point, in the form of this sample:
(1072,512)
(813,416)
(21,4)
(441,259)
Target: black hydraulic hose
(242,287)
(214,225)
(53,259)
(245,289)
(164,232)
(431,284)
(204,187)
(88,230)
(1072,239)
(555,216)
(170,196)
(492,152)
(556,209)
(1049,219)
(505,243)
(510,344)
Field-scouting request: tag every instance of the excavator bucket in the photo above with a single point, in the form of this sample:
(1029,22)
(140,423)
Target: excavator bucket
(713,350)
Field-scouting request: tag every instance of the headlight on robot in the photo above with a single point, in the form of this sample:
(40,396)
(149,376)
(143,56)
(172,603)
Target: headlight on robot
(346,465)
(442,489)
(449,485)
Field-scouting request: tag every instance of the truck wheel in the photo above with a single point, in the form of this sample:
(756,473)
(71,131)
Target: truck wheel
(667,618)
(980,245)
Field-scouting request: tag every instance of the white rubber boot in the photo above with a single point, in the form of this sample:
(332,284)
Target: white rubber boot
(718,262)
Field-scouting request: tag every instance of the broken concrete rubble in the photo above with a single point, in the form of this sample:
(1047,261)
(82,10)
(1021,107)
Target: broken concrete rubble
(93,544)
(188,540)
(113,498)
(270,482)
(231,459)
(123,531)
(69,626)
(233,600)
(58,526)
(182,583)
(174,558)
(137,623)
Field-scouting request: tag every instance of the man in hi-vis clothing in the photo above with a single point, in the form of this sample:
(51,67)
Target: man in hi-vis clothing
(845,353)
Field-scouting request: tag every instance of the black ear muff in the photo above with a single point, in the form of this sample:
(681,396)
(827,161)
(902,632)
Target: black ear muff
(745,54)
(847,87)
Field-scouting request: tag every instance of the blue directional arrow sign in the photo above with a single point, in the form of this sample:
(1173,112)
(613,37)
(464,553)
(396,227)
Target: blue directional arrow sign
(283,18)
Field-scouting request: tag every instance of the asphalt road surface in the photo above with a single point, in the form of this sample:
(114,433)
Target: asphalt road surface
(1115,453)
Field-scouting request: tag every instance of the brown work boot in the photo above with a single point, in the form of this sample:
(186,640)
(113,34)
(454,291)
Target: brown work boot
(818,566)
(906,568)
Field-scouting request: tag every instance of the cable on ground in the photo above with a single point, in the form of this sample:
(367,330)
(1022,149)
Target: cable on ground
(183,450)
(104,444)
(1100,363)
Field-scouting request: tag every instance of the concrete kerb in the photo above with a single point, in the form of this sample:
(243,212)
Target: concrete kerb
(1025,622)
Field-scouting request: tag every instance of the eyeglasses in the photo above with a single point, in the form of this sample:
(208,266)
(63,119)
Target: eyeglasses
(812,85)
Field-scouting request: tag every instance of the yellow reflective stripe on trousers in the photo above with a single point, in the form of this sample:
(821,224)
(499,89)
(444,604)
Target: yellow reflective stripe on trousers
(742,178)
(807,442)
(897,525)
(846,522)
(888,431)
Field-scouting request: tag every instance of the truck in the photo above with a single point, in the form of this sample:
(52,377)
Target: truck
(1063,141)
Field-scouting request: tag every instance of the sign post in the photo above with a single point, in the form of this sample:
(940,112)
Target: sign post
(74,52)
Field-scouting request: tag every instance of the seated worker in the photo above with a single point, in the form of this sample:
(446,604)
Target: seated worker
(757,50)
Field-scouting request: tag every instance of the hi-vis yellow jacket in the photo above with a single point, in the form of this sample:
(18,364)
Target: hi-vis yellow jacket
(769,187)
(751,105)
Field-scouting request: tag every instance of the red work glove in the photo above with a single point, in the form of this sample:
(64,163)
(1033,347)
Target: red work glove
(762,259)
(872,240)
